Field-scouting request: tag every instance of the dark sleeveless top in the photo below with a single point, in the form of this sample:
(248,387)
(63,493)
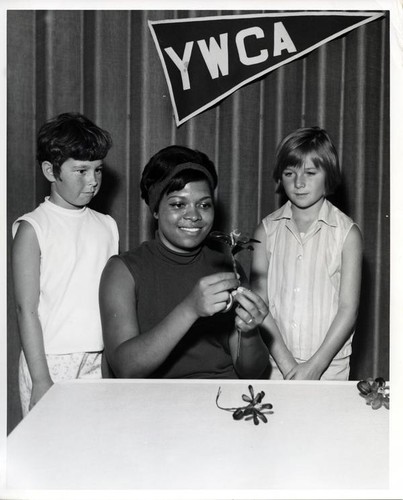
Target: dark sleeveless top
(163,278)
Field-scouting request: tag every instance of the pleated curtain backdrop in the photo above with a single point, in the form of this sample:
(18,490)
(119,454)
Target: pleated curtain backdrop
(105,65)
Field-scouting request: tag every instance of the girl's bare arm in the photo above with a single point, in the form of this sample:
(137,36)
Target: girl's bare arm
(269,328)
(345,319)
(26,268)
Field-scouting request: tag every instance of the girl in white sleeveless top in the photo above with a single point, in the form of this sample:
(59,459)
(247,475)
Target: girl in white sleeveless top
(59,252)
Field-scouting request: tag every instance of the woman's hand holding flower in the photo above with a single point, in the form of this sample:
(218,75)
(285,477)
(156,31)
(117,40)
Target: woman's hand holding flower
(251,309)
(212,293)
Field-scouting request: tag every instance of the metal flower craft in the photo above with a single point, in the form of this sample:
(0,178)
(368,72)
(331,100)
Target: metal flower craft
(236,242)
(255,410)
(375,392)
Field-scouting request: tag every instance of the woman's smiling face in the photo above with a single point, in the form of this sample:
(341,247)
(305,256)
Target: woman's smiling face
(186,217)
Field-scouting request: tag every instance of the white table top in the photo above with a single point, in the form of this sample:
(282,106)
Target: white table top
(145,434)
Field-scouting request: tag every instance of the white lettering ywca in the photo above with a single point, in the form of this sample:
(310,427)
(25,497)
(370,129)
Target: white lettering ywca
(182,64)
(240,44)
(216,54)
(282,40)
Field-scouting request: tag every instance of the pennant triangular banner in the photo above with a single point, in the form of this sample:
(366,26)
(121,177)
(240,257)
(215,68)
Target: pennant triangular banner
(206,59)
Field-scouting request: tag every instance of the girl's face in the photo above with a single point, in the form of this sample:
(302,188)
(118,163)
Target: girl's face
(186,217)
(78,183)
(305,185)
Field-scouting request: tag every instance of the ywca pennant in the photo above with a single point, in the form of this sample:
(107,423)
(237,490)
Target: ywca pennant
(206,59)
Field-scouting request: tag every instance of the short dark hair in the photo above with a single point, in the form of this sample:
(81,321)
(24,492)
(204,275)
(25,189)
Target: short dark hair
(312,142)
(162,163)
(71,135)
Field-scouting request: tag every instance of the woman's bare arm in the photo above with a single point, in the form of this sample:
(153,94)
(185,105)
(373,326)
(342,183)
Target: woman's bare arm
(132,355)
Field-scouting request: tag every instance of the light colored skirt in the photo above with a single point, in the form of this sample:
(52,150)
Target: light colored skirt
(61,367)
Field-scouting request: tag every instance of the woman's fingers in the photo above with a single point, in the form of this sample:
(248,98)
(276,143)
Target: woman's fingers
(219,282)
(251,302)
(253,297)
(251,310)
(214,279)
(244,320)
(221,289)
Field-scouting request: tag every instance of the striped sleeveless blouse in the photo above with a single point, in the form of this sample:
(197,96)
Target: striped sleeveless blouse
(303,279)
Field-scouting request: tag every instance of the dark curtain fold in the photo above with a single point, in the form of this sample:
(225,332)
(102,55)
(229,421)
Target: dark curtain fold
(104,64)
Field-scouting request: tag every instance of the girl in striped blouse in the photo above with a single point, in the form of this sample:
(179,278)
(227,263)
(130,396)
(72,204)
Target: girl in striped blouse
(308,266)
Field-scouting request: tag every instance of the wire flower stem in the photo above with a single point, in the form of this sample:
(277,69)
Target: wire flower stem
(236,242)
